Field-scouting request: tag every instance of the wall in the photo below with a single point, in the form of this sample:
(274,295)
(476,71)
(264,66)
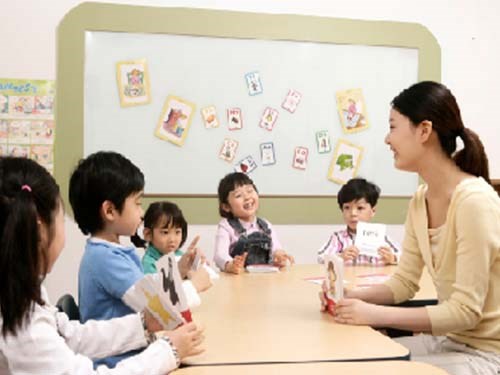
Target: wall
(467,32)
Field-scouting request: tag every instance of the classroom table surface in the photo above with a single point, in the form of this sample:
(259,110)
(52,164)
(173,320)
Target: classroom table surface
(275,318)
(318,368)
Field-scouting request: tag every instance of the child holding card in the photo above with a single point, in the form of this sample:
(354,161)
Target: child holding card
(241,229)
(357,200)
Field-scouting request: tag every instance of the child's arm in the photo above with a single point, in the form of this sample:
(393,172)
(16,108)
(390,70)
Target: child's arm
(222,259)
(387,256)
(236,265)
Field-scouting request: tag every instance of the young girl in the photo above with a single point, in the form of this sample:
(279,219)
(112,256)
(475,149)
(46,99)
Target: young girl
(452,228)
(238,205)
(35,337)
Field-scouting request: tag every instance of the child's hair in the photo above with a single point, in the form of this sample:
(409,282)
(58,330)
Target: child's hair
(101,176)
(434,102)
(162,214)
(230,182)
(29,198)
(356,189)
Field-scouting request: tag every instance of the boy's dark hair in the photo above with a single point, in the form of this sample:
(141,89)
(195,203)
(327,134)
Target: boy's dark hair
(230,182)
(102,176)
(165,214)
(358,188)
(28,195)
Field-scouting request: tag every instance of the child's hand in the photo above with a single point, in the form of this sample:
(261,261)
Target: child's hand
(237,265)
(280,257)
(187,258)
(322,297)
(350,253)
(387,255)
(187,339)
(200,279)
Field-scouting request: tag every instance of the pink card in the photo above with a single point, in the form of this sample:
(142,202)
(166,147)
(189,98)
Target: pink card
(291,101)
(268,119)
(300,158)
(234,119)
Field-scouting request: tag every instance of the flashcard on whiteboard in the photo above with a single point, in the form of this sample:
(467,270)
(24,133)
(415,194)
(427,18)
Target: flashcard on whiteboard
(228,149)
(234,119)
(268,119)
(254,84)
(245,165)
(209,115)
(300,158)
(267,155)
(323,142)
(291,101)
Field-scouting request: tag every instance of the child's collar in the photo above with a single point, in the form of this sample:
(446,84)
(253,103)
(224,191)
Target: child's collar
(101,240)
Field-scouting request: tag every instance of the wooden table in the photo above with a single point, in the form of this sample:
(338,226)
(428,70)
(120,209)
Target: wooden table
(273,318)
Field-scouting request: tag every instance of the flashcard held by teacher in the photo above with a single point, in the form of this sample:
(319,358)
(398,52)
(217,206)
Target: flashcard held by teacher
(369,238)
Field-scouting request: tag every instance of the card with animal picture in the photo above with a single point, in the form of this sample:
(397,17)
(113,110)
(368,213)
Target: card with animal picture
(369,238)
(291,101)
(267,155)
(228,149)
(254,83)
(345,162)
(234,118)
(334,272)
(43,105)
(133,82)
(245,165)
(300,157)
(268,119)
(323,142)
(175,120)
(352,110)
(209,115)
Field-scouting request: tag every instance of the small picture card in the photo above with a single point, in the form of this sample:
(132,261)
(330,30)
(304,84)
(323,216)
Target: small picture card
(19,131)
(323,142)
(209,116)
(345,162)
(175,120)
(245,165)
(133,82)
(291,101)
(42,154)
(17,150)
(42,132)
(269,118)
(267,155)
(4,104)
(334,272)
(300,157)
(253,83)
(21,105)
(369,238)
(196,261)
(228,149)
(44,105)
(4,131)
(234,119)
(352,110)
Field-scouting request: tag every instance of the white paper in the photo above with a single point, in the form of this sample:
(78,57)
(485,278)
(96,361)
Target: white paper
(369,238)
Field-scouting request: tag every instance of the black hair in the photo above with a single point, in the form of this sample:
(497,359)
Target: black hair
(230,182)
(434,102)
(356,189)
(102,176)
(28,195)
(165,214)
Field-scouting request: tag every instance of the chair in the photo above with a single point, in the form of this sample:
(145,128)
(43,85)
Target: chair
(68,305)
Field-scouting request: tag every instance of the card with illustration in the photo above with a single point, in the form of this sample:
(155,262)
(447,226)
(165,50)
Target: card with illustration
(300,157)
(4,150)
(267,155)
(291,101)
(175,120)
(42,154)
(254,83)
(323,142)
(352,110)
(234,118)
(21,105)
(245,165)
(369,238)
(43,105)
(209,115)
(42,132)
(133,82)
(19,131)
(228,149)
(268,119)
(17,150)
(345,162)
(4,131)
(4,104)
(334,272)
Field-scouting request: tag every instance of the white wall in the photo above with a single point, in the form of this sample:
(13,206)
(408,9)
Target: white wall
(467,32)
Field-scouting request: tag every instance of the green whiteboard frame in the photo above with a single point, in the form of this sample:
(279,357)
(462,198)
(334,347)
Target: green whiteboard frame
(203,209)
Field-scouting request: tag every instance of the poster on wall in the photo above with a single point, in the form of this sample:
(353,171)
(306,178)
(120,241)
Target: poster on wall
(133,82)
(175,120)
(345,162)
(352,110)
(27,126)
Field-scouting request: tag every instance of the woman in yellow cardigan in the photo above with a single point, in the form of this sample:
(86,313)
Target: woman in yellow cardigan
(452,228)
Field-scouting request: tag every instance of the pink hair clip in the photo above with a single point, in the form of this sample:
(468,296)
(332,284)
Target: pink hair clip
(26,187)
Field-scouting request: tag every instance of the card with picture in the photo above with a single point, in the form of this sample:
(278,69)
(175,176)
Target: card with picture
(175,120)
(228,149)
(245,165)
(300,157)
(291,101)
(234,118)
(268,119)
(334,272)
(352,110)
(209,115)
(254,84)
(133,82)
(345,162)
(323,142)
(267,155)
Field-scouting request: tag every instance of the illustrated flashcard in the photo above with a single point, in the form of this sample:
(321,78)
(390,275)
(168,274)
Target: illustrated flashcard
(345,162)
(209,115)
(42,132)
(245,165)
(228,149)
(21,105)
(133,82)
(4,131)
(291,101)
(234,119)
(267,155)
(323,142)
(254,84)
(43,105)
(369,238)
(300,157)
(175,120)
(352,110)
(19,131)
(17,150)
(4,151)
(334,272)
(4,104)
(42,154)
(269,118)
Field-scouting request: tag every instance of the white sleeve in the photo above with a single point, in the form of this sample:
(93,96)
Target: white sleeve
(192,296)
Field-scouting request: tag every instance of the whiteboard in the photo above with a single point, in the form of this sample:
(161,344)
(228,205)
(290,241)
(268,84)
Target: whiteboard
(210,71)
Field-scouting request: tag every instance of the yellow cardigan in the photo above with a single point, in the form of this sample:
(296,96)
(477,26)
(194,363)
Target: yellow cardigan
(466,268)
